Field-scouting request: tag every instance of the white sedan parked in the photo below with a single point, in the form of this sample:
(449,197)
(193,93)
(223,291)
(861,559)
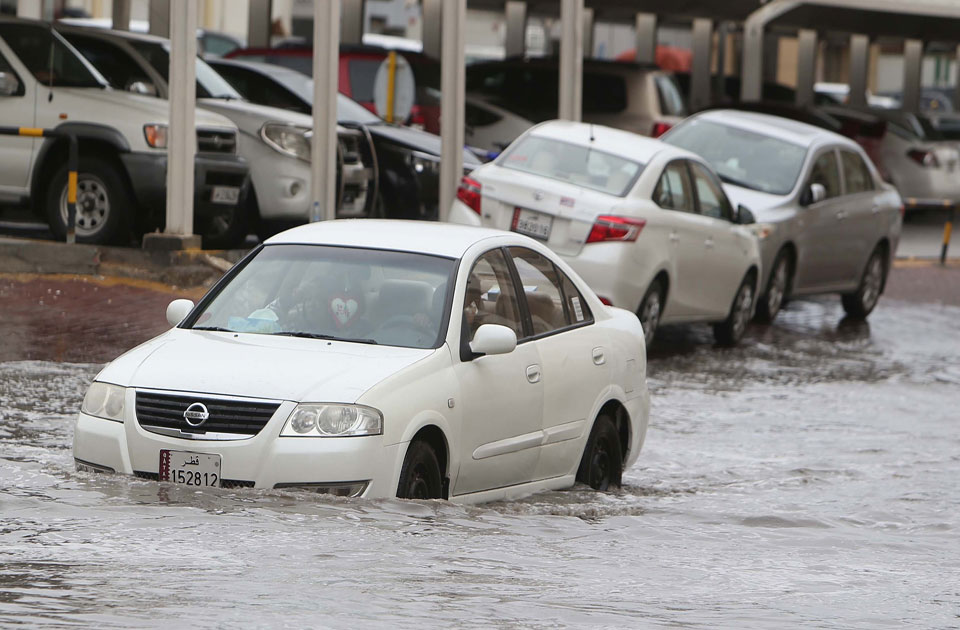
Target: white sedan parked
(647,225)
(380,359)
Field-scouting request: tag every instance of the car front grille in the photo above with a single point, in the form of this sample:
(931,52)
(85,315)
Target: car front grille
(216,141)
(164,413)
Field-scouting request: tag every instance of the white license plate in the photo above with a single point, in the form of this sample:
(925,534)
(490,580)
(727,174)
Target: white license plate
(225,194)
(535,224)
(190,469)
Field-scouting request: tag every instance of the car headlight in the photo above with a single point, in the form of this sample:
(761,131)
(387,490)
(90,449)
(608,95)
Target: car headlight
(156,136)
(104,400)
(422,163)
(287,139)
(319,420)
(763,230)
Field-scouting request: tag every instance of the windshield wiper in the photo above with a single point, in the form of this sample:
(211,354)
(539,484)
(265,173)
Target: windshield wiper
(214,328)
(308,335)
(736,182)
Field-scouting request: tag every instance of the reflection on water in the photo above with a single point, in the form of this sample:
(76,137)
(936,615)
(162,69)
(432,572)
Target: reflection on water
(804,479)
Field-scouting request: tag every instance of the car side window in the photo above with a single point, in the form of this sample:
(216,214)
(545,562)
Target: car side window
(577,310)
(112,62)
(541,290)
(9,79)
(710,196)
(259,89)
(673,190)
(855,173)
(491,297)
(826,173)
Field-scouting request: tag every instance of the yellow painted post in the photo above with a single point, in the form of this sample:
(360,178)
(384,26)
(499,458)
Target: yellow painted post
(947,232)
(391,83)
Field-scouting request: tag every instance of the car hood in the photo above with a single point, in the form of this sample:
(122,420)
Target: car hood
(259,366)
(250,117)
(754,200)
(417,140)
(148,108)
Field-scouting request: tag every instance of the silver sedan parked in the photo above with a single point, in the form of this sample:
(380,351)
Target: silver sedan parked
(826,221)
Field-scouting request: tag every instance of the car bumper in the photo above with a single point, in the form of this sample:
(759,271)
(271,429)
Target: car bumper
(612,271)
(262,461)
(148,178)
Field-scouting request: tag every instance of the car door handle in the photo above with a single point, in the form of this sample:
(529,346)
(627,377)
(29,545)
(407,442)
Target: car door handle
(598,358)
(841,215)
(674,237)
(708,243)
(533,373)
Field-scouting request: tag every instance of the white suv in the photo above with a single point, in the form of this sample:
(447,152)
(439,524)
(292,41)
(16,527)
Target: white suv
(121,185)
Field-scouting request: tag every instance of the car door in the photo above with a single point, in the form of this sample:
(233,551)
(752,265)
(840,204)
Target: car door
(17,109)
(818,239)
(680,227)
(572,352)
(722,263)
(501,396)
(859,222)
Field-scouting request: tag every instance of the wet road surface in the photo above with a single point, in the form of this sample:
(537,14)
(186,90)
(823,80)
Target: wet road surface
(807,479)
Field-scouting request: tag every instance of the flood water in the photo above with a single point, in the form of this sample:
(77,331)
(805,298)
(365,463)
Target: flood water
(808,479)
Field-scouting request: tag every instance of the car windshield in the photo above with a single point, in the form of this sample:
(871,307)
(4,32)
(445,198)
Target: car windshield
(350,294)
(50,60)
(741,157)
(209,83)
(572,163)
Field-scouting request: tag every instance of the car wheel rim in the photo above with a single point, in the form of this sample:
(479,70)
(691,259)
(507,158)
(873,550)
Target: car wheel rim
(650,316)
(872,282)
(742,311)
(220,224)
(93,205)
(778,288)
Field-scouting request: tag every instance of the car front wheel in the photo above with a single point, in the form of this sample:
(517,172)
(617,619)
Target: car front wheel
(420,476)
(860,303)
(601,466)
(102,200)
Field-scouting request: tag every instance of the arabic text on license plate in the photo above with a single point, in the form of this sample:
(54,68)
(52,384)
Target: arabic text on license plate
(189,469)
(535,224)
(225,194)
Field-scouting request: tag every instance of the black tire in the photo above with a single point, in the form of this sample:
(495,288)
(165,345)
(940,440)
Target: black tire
(601,466)
(420,476)
(103,201)
(227,228)
(650,310)
(730,331)
(777,292)
(861,302)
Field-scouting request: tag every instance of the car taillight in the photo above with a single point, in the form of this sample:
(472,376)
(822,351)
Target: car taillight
(924,158)
(610,228)
(417,119)
(605,300)
(660,128)
(469,193)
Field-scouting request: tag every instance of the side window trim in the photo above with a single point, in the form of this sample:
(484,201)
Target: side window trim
(566,301)
(711,177)
(840,179)
(662,179)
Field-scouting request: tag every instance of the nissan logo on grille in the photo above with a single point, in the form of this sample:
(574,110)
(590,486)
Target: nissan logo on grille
(196,414)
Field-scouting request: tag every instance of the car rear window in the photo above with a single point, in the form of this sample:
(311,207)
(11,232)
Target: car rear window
(603,93)
(572,163)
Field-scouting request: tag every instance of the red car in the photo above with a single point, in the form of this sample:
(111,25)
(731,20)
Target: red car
(358,69)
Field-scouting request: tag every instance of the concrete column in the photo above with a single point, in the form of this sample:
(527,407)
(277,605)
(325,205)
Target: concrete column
(646,46)
(31,9)
(432,27)
(588,33)
(956,96)
(700,68)
(859,61)
(351,22)
(159,17)
(259,15)
(806,66)
(453,79)
(516,40)
(323,144)
(571,60)
(121,15)
(182,134)
(912,62)
(771,58)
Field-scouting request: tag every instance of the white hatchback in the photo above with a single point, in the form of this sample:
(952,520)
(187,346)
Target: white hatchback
(380,359)
(647,225)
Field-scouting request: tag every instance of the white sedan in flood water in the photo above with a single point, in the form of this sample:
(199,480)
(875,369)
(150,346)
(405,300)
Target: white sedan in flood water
(380,359)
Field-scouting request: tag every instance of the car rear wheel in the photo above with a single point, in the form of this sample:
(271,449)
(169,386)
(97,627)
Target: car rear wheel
(420,476)
(601,466)
(778,288)
(651,308)
(730,331)
(102,200)
(860,303)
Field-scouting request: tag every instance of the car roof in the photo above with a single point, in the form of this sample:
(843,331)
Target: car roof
(422,237)
(615,141)
(785,129)
(96,31)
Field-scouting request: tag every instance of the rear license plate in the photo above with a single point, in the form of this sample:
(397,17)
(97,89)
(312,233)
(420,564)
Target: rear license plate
(190,469)
(531,223)
(225,194)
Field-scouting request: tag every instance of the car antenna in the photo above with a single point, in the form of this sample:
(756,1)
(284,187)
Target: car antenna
(591,132)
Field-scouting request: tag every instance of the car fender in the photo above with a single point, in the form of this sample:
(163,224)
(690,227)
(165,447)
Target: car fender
(637,411)
(428,418)
(83,131)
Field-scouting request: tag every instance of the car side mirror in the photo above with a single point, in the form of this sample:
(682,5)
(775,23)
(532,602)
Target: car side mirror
(493,339)
(744,216)
(142,87)
(815,193)
(177,310)
(9,85)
